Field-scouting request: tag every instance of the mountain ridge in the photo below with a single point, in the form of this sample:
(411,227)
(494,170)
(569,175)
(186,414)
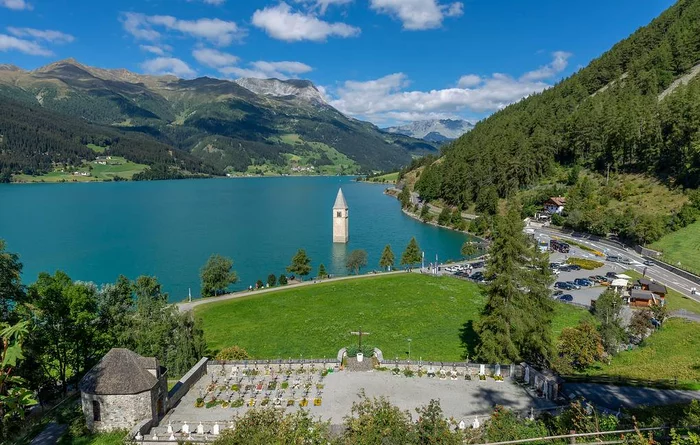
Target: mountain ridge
(435,130)
(280,126)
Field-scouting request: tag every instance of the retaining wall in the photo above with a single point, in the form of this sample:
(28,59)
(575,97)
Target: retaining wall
(185,383)
(671,268)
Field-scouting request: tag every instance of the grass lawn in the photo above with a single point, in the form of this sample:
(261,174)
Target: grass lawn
(117,166)
(674,300)
(671,353)
(389,177)
(316,321)
(682,246)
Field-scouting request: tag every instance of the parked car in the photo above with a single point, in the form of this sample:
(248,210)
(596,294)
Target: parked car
(595,279)
(478,265)
(611,275)
(574,267)
(555,265)
(582,282)
(564,285)
(565,268)
(556,293)
(566,297)
(576,286)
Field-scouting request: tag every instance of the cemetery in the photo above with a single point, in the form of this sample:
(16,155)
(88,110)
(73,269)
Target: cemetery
(213,394)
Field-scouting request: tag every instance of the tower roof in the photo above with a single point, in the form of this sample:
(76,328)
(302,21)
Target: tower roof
(340,201)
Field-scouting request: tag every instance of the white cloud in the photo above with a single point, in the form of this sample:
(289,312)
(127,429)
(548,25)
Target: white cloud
(281,23)
(168,65)
(214,58)
(47,35)
(17,5)
(284,66)
(265,70)
(217,31)
(557,65)
(388,99)
(418,14)
(469,80)
(211,2)
(158,50)
(322,5)
(11,43)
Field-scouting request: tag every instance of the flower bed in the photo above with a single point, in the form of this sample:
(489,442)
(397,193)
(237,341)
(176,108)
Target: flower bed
(237,403)
(290,402)
(317,401)
(199,403)
(303,403)
(235,387)
(284,385)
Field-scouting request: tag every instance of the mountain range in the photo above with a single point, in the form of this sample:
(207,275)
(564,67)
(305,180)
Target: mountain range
(262,125)
(435,130)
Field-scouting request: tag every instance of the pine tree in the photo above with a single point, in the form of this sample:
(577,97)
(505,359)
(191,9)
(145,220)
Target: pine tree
(322,271)
(516,322)
(301,264)
(412,254)
(387,260)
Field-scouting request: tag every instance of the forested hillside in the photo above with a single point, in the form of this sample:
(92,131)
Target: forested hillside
(607,117)
(34,140)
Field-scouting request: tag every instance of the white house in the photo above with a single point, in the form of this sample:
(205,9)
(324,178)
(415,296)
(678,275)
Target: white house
(555,205)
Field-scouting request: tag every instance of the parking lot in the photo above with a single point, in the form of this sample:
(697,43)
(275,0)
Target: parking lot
(581,296)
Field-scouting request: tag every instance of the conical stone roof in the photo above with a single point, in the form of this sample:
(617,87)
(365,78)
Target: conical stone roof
(120,371)
(340,201)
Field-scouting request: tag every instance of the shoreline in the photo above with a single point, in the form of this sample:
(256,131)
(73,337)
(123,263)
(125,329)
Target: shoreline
(390,192)
(100,181)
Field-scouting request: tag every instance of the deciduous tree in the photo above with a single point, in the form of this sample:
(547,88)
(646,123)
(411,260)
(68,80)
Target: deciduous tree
(579,347)
(217,275)
(322,273)
(357,259)
(271,280)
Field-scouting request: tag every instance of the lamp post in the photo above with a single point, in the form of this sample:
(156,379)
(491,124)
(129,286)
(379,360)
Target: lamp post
(409,349)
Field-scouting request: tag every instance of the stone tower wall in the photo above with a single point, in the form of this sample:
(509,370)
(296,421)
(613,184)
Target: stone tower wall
(340,226)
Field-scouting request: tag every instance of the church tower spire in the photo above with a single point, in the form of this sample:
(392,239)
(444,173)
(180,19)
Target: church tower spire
(340,219)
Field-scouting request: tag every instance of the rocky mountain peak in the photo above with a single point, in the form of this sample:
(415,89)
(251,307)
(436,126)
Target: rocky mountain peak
(437,130)
(301,89)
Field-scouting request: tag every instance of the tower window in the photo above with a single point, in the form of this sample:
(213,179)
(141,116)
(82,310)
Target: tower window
(96,414)
(339,214)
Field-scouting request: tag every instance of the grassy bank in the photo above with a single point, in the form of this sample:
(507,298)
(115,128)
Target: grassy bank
(669,357)
(682,247)
(116,166)
(316,321)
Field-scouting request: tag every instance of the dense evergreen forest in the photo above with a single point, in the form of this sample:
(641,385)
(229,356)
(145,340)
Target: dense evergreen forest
(613,115)
(34,140)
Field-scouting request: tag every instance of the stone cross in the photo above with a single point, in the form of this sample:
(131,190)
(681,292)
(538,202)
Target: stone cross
(360,334)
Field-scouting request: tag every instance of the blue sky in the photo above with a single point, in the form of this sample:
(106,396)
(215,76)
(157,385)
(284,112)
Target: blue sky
(386,61)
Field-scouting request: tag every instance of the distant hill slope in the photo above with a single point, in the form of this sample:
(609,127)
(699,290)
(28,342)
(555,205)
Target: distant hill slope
(229,125)
(624,127)
(436,130)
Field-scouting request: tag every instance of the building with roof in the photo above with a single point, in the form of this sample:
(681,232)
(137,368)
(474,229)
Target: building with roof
(643,298)
(123,389)
(652,286)
(555,204)
(340,219)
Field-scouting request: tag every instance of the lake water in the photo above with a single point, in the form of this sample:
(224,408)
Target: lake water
(94,232)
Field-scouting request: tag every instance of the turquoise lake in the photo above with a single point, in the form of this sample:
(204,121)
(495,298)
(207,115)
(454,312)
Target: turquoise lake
(94,232)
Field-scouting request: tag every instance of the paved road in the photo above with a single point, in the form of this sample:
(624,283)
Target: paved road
(614,397)
(608,247)
(50,435)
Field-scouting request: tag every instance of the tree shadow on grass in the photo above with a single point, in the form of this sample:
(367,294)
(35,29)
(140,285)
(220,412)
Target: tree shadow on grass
(468,337)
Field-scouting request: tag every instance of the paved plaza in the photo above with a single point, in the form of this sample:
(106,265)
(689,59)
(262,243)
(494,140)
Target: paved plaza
(461,399)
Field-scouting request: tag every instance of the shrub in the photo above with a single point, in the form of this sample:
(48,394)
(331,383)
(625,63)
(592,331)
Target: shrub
(584,263)
(232,353)
(367,350)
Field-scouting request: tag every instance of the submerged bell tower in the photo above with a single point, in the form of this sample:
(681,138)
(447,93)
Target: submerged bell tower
(340,219)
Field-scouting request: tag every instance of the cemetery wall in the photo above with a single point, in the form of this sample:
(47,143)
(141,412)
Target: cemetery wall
(187,381)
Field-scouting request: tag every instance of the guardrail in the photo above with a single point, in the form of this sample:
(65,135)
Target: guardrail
(625,381)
